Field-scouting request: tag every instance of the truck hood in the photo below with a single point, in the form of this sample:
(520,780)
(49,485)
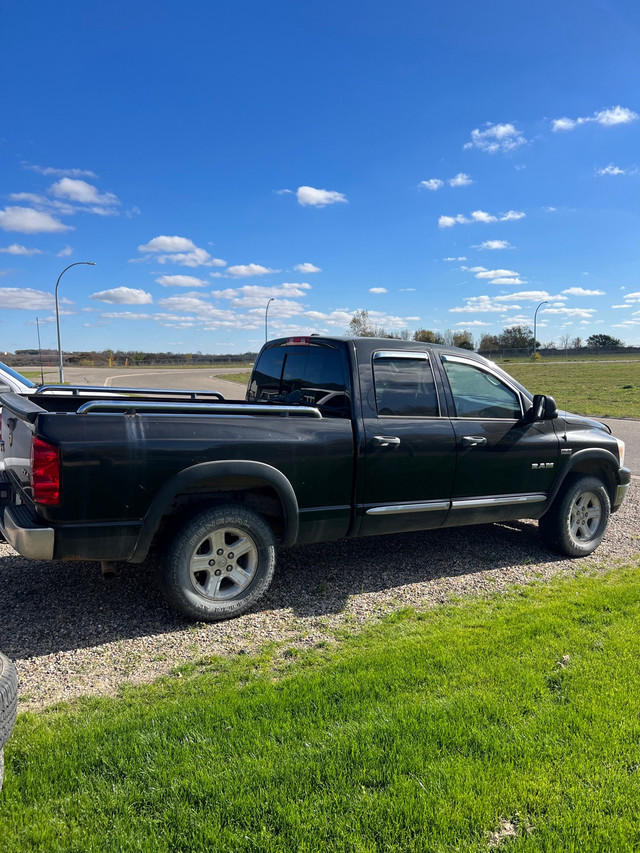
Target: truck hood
(579,421)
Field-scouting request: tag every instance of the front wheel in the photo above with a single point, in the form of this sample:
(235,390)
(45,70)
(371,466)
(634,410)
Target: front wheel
(578,518)
(219,564)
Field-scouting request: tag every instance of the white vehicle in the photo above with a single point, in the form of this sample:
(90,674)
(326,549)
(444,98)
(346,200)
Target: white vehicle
(11,380)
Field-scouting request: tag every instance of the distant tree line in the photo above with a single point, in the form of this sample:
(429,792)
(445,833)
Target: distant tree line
(511,338)
(122,358)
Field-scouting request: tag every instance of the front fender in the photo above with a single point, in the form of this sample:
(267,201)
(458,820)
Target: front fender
(591,460)
(214,470)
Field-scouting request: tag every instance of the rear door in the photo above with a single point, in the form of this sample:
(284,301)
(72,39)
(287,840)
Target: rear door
(409,447)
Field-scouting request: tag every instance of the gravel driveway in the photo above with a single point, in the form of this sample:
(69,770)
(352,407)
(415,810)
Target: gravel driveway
(72,632)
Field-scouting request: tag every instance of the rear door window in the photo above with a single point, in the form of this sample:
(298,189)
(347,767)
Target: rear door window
(404,385)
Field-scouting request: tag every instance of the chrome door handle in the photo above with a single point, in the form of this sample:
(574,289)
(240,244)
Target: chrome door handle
(472,440)
(386,440)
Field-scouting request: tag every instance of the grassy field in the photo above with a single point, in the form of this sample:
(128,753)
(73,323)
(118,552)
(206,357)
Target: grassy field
(512,720)
(607,389)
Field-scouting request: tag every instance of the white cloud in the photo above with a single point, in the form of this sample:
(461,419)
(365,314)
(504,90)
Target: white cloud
(123,296)
(312,197)
(83,193)
(562,124)
(306,268)
(606,118)
(483,273)
(494,245)
(524,296)
(26,220)
(450,221)
(611,169)
(479,216)
(580,291)
(249,270)
(462,258)
(340,317)
(378,290)
(480,305)
(496,137)
(64,253)
(181,281)
(196,258)
(498,276)
(168,244)
(27,299)
(256,296)
(432,184)
(17,249)
(179,250)
(283,308)
(482,216)
(204,313)
(48,171)
(571,312)
(460,180)
(126,315)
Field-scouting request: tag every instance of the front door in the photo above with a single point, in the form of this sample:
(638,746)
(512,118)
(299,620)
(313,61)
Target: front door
(506,464)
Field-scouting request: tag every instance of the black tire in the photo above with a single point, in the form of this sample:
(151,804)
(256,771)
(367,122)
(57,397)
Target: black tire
(219,564)
(8,705)
(578,518)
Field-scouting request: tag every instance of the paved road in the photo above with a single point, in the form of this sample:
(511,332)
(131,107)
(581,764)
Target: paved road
(629,431)
(211,379)
(193,379)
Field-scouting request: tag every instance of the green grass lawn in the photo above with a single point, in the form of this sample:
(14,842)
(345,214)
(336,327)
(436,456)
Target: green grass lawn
(513,719)
(242,378)
(607,389)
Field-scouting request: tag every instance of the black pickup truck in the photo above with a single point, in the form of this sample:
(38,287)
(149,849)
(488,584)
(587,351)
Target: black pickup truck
(337,437)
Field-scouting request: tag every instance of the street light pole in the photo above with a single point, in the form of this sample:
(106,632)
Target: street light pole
(266,314)
(535,316)
(77,263)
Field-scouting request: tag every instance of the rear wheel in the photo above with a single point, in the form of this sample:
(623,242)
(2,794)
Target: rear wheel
(578,518)
(219,564)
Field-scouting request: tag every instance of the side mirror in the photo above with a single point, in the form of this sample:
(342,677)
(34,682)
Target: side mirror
(543,409)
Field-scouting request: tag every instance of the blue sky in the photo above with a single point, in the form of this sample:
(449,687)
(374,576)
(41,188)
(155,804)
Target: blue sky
(441,165)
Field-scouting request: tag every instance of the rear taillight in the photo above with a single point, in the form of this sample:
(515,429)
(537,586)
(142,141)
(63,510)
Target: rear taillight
(45,472)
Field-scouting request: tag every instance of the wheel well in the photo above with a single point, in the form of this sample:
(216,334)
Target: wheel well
(595,468)
(247,491)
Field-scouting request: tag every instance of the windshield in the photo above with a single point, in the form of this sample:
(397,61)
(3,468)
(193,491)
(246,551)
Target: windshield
(4,368)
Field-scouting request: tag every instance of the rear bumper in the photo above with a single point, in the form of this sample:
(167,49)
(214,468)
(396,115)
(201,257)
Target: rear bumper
(624,479)
(27,538)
